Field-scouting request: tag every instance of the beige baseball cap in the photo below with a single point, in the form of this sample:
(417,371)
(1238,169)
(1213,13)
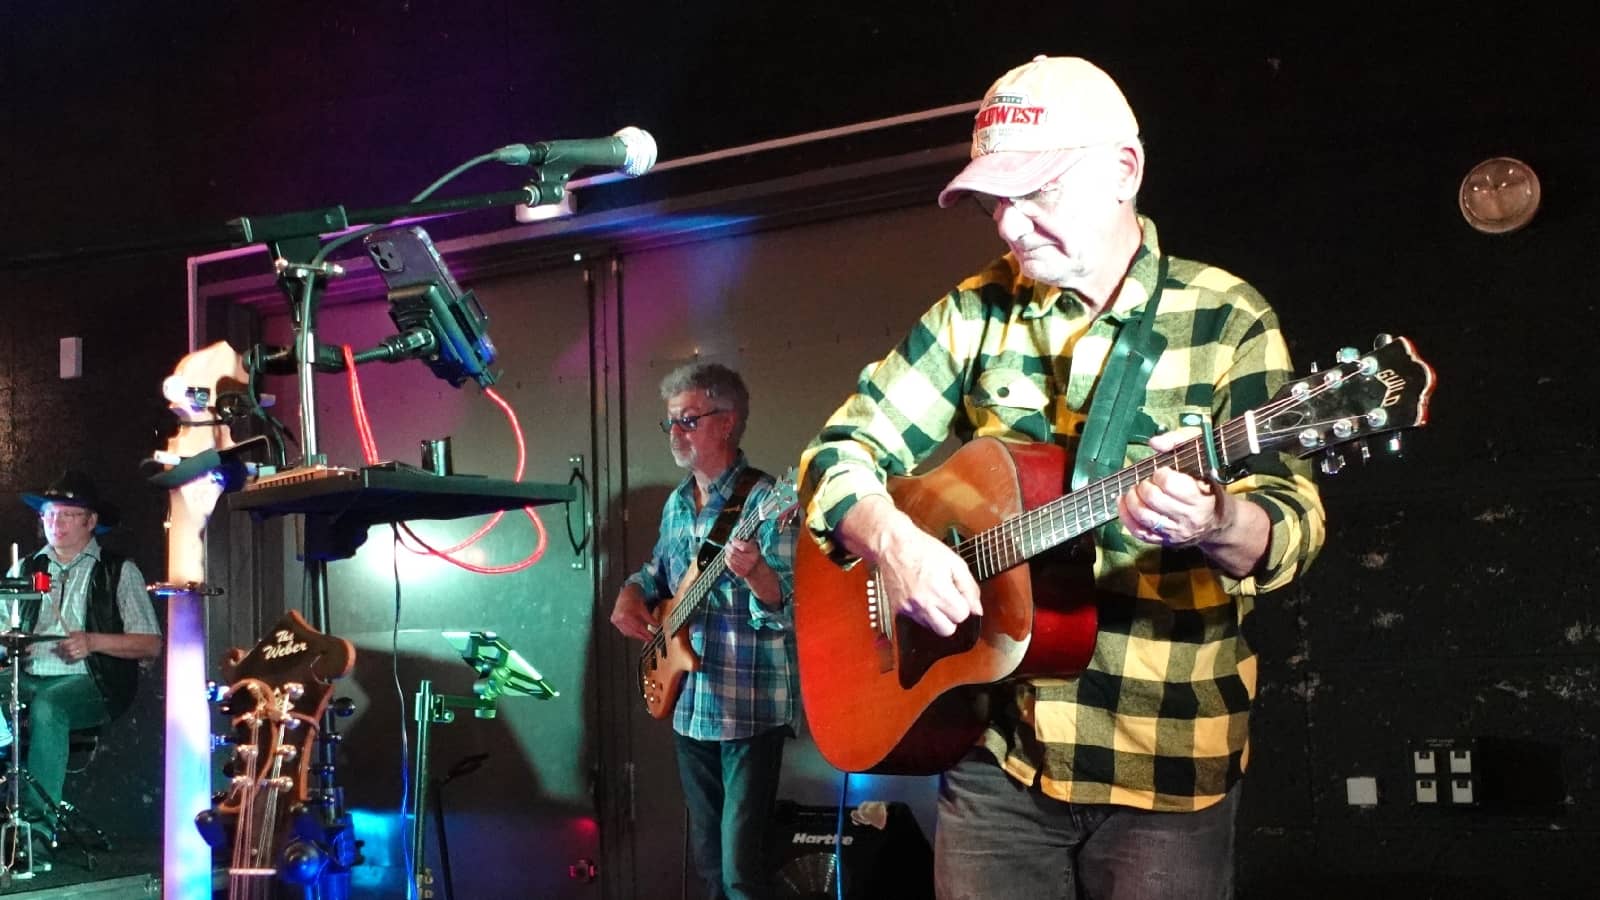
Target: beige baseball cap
(1033,123)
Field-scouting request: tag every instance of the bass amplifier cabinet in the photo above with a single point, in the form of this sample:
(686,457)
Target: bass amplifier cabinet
(889,862)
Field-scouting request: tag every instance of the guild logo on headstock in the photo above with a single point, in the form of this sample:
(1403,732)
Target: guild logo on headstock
(1396,384)
(283,644)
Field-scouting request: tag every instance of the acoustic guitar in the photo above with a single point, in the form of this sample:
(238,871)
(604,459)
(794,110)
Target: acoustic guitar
(668,656)
(882,693)
(276,696)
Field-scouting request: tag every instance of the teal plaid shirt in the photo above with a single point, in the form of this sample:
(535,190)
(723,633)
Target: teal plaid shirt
(1160,718)
(747,683)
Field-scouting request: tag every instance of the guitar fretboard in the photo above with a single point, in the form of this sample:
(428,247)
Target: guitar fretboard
(1022,537)
(695,594)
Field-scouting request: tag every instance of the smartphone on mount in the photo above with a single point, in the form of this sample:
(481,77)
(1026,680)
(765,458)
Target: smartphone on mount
(448,325)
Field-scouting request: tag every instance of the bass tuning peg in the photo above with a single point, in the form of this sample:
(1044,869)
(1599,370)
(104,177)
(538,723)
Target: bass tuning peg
(1332,462)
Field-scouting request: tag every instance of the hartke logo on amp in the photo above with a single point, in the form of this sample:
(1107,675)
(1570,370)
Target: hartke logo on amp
(800,837)
(813,858)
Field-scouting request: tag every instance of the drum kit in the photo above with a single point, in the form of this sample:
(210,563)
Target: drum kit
(17,851)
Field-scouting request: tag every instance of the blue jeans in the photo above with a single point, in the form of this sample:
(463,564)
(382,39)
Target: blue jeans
(730,788)
(997,838)
(57,706)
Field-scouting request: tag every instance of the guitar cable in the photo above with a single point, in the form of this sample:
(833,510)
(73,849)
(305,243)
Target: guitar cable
(405,734)
(369,452)
(838,837)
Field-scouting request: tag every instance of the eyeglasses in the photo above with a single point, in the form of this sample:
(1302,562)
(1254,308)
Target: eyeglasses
(1028,204)
(687,423)
(71,515)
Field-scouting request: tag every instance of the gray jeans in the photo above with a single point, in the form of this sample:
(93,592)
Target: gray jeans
(999,839)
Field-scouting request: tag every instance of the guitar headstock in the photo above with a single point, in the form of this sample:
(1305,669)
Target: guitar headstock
(195,393)
(783,501)
(197,476)
(1384,391)
(277,694)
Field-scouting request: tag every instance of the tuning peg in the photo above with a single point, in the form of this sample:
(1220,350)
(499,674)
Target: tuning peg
(216,693)
(1348,355)
(1382,340)
(1395,445)
(1332,462)
(343,706)
(211,827)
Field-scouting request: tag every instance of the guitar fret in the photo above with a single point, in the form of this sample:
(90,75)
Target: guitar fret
(1070,515)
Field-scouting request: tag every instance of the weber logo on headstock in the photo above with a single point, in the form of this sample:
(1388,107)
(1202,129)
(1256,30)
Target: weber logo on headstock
(283,644)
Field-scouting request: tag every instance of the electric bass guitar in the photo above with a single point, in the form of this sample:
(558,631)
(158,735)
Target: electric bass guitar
(882,693)
(668,656)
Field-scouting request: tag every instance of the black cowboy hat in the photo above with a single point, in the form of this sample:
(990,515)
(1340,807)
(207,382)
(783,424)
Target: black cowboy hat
(74,488)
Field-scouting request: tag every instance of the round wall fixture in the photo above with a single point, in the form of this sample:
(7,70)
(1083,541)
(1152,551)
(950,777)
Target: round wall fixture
(1499,195)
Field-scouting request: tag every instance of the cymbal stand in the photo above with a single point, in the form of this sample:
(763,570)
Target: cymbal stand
(16,833)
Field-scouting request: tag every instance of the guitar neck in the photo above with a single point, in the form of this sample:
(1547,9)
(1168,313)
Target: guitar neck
(1018,539)
(692,598)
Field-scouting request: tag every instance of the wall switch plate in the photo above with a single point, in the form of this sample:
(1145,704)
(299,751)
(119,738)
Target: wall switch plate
(1361,791)
(72,357)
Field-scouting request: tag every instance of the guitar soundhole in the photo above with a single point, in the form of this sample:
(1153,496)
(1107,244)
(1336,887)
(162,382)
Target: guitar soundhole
(921,648)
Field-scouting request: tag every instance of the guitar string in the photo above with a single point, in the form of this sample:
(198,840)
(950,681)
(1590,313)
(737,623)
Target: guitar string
(1100,497)
(269,813)
(1005,545)
(702,583)
(244,788)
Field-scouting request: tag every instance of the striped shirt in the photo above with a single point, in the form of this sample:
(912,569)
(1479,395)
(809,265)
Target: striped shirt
(1160,718)
(63,611)
(747,683)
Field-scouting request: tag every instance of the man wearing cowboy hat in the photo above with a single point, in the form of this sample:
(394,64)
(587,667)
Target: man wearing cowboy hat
(103,624)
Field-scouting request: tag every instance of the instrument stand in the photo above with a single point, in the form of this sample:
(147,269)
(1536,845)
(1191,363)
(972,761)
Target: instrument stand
(70,824)
(504,672)
(336,836)
(80,830)
(299,260)
(16,834)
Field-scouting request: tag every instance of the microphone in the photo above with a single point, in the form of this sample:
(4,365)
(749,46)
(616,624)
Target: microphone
(632,150)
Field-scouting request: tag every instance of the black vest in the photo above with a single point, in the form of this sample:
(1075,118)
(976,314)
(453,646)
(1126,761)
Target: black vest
(116,678)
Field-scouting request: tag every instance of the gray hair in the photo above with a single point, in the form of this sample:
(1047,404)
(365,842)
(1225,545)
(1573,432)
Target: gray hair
(720,383)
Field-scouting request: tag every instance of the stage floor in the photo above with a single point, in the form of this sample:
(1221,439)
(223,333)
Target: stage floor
(127,871)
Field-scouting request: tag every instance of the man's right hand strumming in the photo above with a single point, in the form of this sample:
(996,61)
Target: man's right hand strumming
(926,580)
(631,616)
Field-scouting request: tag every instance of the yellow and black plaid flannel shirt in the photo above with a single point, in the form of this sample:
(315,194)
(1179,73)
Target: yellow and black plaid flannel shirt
(1160,718)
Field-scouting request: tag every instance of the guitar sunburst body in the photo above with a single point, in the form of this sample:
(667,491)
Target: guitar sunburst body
(664,665)
(911,700)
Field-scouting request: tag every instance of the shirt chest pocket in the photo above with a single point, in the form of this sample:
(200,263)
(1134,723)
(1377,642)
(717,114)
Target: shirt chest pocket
(1008,401)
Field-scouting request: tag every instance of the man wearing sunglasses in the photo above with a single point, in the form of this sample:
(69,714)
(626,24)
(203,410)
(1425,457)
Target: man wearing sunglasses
(733,715)
(96,623)
(1121,781)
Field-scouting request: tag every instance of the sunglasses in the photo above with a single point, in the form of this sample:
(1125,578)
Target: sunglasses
(687,423)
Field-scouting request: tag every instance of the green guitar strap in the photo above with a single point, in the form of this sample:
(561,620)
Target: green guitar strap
(1121,392)
(729,516)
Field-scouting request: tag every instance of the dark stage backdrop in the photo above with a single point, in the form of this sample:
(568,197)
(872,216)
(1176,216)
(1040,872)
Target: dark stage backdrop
(1318,157)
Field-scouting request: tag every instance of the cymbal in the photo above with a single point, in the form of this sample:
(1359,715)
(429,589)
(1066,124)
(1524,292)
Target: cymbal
(19,639)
